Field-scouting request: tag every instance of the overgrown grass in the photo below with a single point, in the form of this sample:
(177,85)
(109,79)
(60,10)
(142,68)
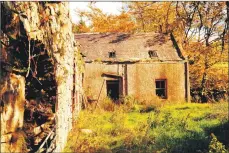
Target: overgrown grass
(173,127)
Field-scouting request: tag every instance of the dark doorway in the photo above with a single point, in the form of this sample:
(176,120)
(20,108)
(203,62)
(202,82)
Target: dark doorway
(113,89)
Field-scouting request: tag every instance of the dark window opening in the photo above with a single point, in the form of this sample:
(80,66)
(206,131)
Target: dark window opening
(113,89)
(161,88)
(112,54)
(152,53)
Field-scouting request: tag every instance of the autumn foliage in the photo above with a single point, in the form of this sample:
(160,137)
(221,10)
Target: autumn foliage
(102,22)
(200,28)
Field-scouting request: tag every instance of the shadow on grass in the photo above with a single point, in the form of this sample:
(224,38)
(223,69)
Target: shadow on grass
(193,142)
(183,108)
(165,143)
(221,132)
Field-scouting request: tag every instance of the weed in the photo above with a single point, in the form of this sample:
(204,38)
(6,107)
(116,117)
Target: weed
(107,104)
(173,127)
(129,103)
(215,146)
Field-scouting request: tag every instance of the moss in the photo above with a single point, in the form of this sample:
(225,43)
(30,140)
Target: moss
(79,61)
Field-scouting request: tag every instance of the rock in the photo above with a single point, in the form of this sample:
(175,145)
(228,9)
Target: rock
(41,128)
(37,130)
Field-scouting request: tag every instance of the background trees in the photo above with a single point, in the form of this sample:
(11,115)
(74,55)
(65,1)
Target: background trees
(102,22)
(204,40)
(200,28)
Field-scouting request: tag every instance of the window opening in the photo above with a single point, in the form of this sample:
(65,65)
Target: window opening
(161,90)
(112,54)
(152,53)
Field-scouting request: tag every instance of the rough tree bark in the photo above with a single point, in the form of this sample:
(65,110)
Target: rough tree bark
(12,98)
(49,22)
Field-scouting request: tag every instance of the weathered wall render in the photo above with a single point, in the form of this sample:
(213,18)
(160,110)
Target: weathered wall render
(139,80)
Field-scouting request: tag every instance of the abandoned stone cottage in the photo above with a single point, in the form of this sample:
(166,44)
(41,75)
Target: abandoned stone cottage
(141,65)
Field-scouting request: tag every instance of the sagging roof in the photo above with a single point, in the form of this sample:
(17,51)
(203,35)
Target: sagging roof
(127,47)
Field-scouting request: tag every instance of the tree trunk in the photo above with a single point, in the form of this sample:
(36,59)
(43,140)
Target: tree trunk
(203,87)
(203,90)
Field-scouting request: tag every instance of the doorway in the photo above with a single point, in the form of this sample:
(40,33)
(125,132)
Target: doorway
(113,89)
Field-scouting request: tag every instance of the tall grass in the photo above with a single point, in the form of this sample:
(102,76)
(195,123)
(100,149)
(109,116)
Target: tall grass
(171,127)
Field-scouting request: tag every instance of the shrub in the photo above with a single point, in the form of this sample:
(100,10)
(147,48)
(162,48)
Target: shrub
(215,146)
(107,104)
(151,103)
(129,103)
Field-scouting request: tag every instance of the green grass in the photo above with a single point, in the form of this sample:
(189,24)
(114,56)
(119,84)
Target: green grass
(172,128)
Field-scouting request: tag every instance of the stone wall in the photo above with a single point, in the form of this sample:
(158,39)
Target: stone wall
(140,79)
(12,101)
(12,95)
(50,24)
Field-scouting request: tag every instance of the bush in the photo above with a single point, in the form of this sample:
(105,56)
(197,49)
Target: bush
(151,103)
(215,146)
(129,103)
(126,104)
(107,104)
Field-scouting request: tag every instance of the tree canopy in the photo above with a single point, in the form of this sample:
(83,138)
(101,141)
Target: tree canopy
(200,29)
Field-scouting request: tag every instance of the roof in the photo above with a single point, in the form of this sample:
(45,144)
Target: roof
(127,47)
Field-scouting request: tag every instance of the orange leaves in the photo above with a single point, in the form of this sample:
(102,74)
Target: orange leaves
(113,23)
(102,22)
(154,16)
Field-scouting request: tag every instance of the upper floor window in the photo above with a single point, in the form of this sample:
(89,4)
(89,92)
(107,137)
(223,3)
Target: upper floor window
(112,54)
(152,53)
(161,88)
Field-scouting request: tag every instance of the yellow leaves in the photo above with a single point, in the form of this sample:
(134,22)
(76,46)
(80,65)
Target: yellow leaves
(154,16)
(102,22)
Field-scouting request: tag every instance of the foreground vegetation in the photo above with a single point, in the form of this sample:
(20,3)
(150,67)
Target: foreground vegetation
(176,127)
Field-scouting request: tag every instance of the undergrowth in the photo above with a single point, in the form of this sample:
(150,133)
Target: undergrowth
(144,127)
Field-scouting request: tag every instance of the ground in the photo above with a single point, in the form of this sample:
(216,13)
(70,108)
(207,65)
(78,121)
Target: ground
(173,127)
